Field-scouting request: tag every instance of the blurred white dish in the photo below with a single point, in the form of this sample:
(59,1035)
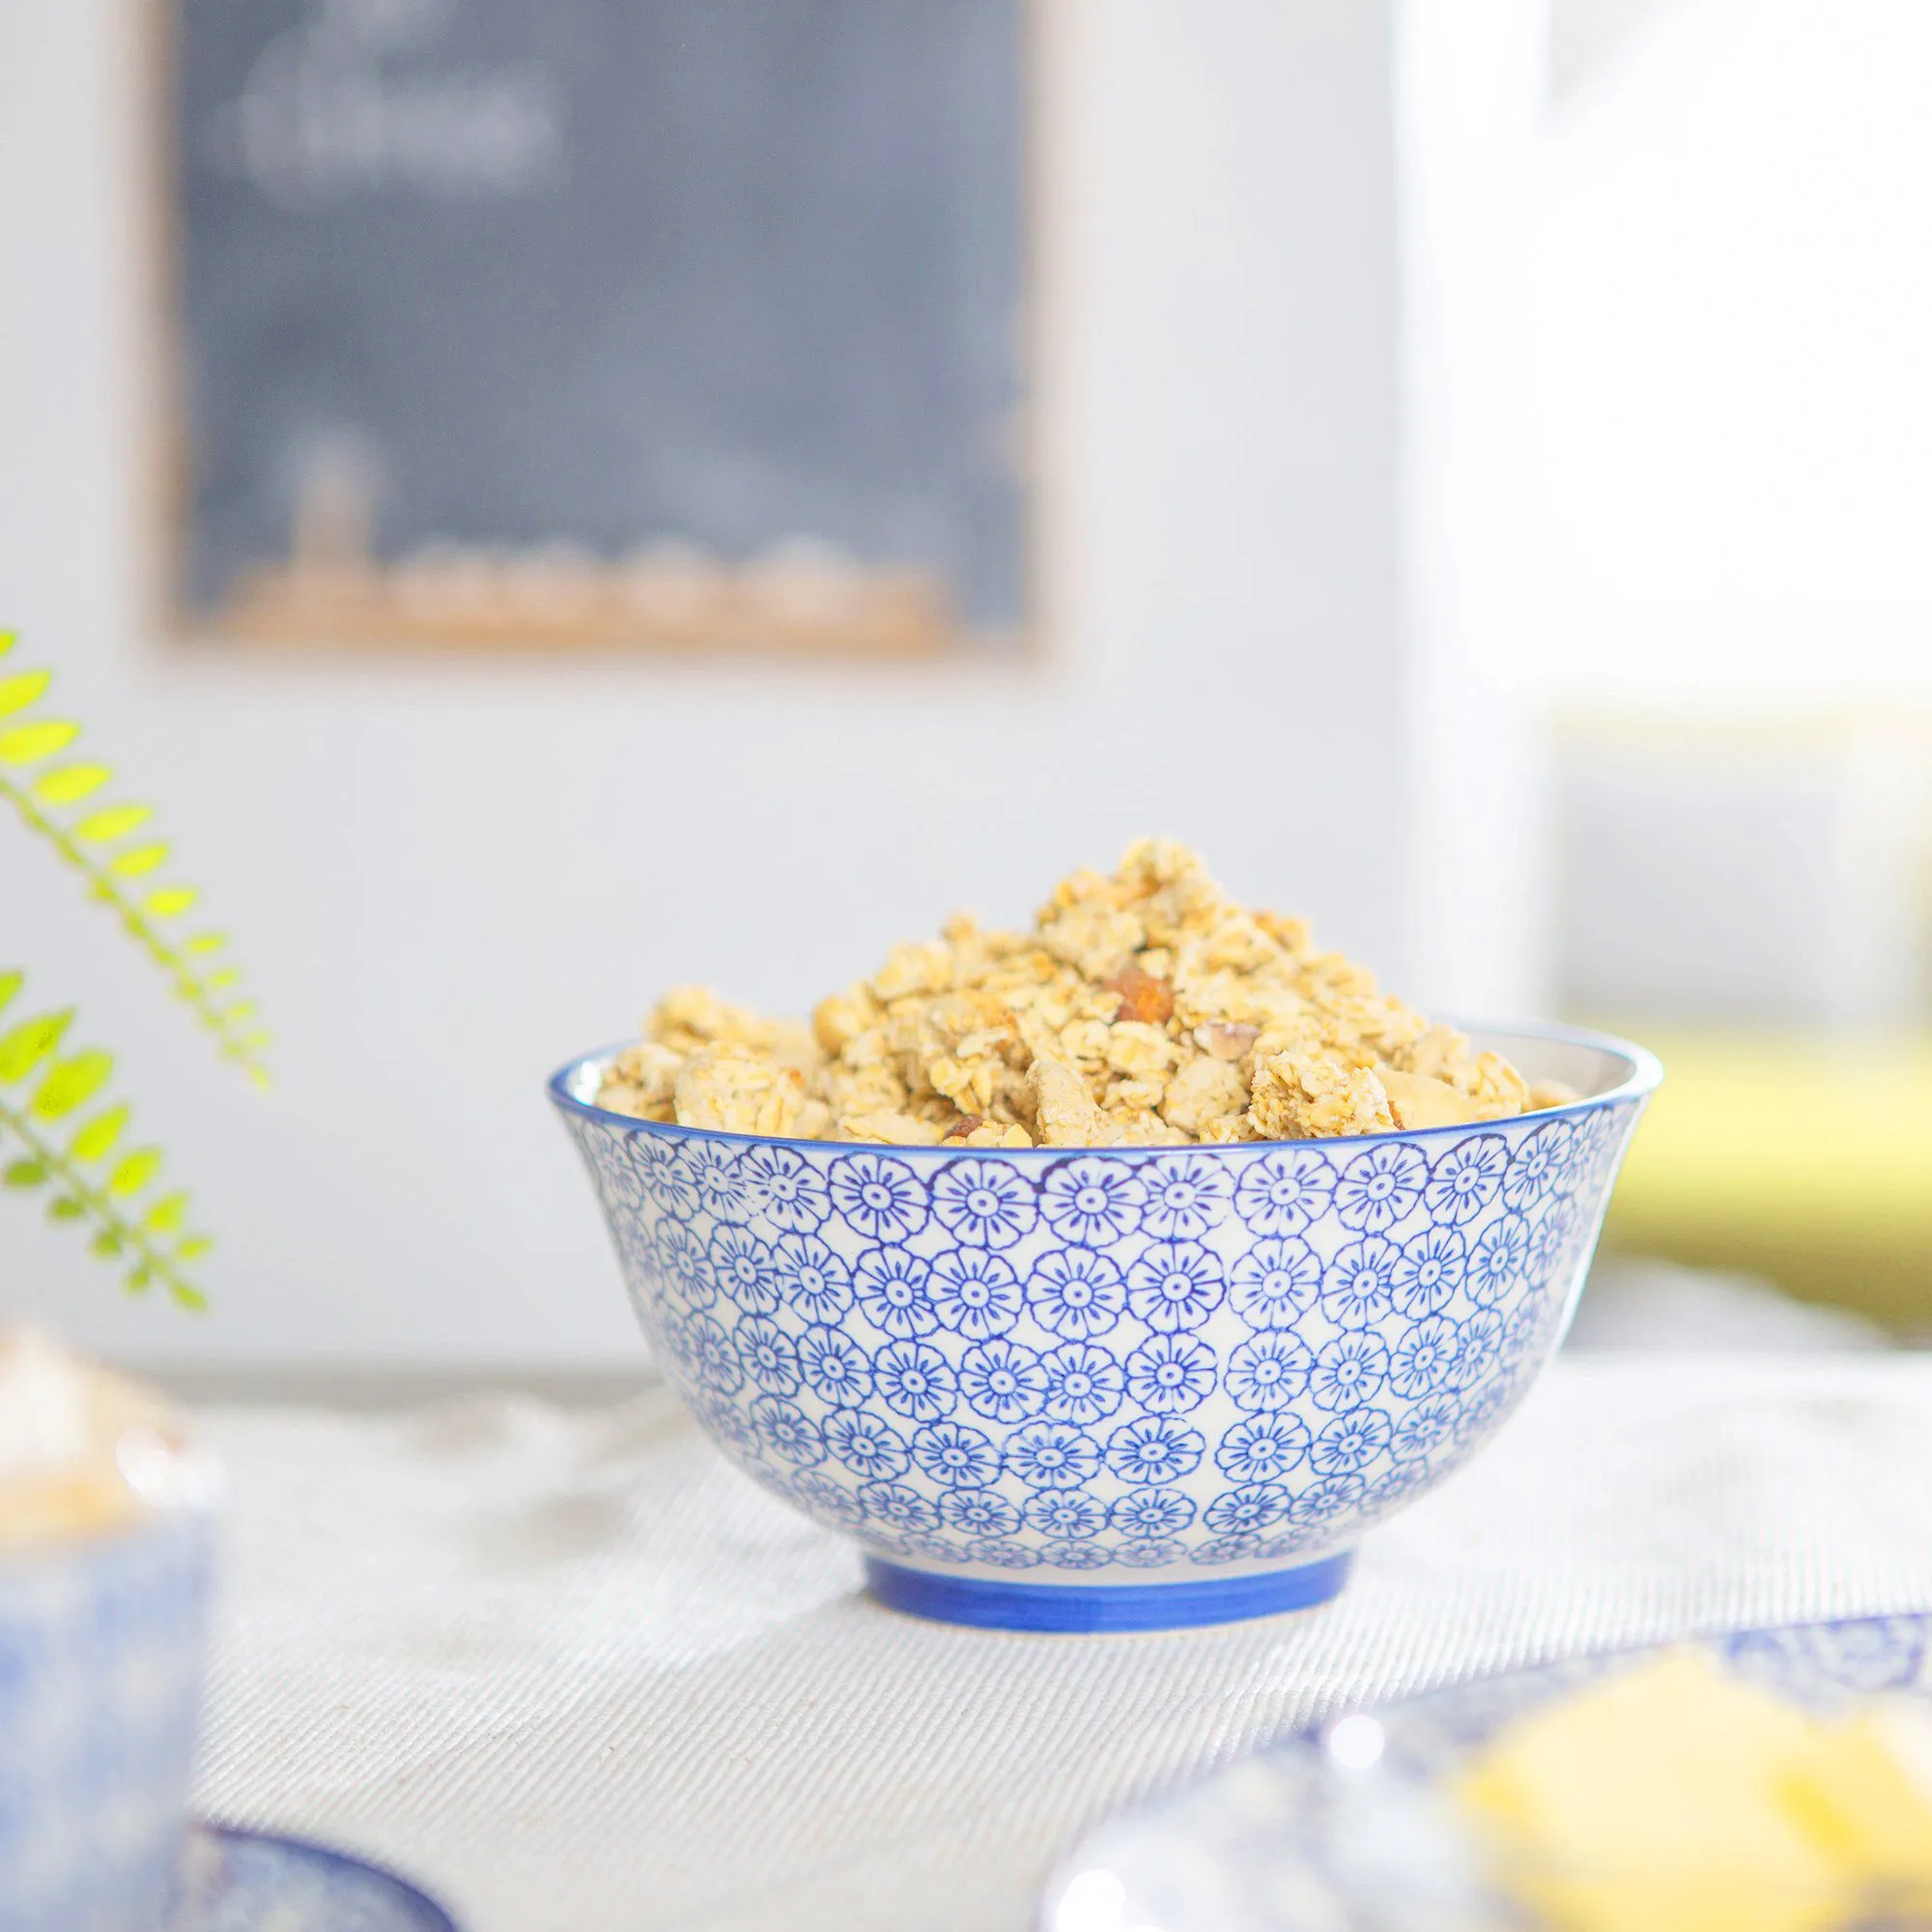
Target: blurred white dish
(1344,1829)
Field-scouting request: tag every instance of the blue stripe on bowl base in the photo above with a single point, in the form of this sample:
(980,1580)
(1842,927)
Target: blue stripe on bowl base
(1121,1607)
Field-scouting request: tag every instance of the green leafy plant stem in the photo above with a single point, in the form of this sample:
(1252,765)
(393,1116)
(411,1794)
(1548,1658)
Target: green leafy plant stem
(138,927)
(151,1263)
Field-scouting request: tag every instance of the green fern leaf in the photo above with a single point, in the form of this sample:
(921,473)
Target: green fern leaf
(96,1140)
(88,1180)
(134,1172)
(29,744)
(30,1042)
(23,689)
(129,879)
(71,1085)
(166,1216)
(138,861)
(70,784)
(116,821)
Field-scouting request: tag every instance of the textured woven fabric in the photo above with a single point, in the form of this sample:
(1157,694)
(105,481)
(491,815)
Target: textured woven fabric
(578,1675)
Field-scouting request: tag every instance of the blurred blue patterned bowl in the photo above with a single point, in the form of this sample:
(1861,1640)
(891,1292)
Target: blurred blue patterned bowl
(102,1643)
(1125,1389)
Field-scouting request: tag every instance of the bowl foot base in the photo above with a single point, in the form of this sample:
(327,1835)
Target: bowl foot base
(1104,1606)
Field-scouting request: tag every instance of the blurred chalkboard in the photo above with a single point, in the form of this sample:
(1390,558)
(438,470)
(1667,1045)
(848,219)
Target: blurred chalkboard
(666,321)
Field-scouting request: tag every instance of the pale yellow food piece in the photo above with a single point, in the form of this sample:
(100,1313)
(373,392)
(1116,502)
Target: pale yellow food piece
(1095,940)
(990,1134)
(1438,1051)
(1205,1092)
(914,968)
(1308,1095)
(1143,1007)
(1420,1100)
(1861,1792)
(839,1020)
(1131,1124)
(888,1128)
(1498,1088)
(641,1082)
(1064,1111)
(1140,1050)
(688,1017)
(739,1092)
(1680,1799)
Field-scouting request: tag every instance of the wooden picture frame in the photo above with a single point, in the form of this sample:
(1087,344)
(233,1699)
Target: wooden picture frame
(272,314)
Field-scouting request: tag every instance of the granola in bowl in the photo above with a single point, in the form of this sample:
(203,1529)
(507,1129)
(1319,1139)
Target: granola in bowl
(1142,1008)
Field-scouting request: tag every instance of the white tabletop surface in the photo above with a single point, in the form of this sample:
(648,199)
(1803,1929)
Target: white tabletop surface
(575,1674)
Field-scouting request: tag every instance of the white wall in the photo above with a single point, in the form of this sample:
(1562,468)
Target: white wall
(1711,353)
(448,879)
(1471,85)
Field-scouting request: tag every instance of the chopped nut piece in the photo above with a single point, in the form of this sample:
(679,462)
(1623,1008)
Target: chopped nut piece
(1226,1039)
(1143,996)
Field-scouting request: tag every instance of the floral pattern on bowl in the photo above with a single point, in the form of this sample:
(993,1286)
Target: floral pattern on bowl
(1125,1366)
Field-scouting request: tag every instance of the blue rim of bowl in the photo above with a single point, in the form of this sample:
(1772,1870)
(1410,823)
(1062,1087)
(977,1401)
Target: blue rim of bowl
(435,1917)
(1646,1071)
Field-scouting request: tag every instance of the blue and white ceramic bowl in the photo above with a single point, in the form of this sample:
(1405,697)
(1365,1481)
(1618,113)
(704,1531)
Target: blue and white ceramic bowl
(1125,1388)
(102,1643)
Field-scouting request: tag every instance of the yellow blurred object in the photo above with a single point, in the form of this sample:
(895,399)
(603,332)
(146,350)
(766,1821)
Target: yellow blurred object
(1859,1793)
(1645,1804)
(1678,1799)
(1804,1160)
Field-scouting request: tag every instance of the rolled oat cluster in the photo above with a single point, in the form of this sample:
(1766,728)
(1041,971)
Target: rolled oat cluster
(1143,1007)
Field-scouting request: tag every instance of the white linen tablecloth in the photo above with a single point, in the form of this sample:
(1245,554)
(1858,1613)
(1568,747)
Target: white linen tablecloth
(578,1675)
